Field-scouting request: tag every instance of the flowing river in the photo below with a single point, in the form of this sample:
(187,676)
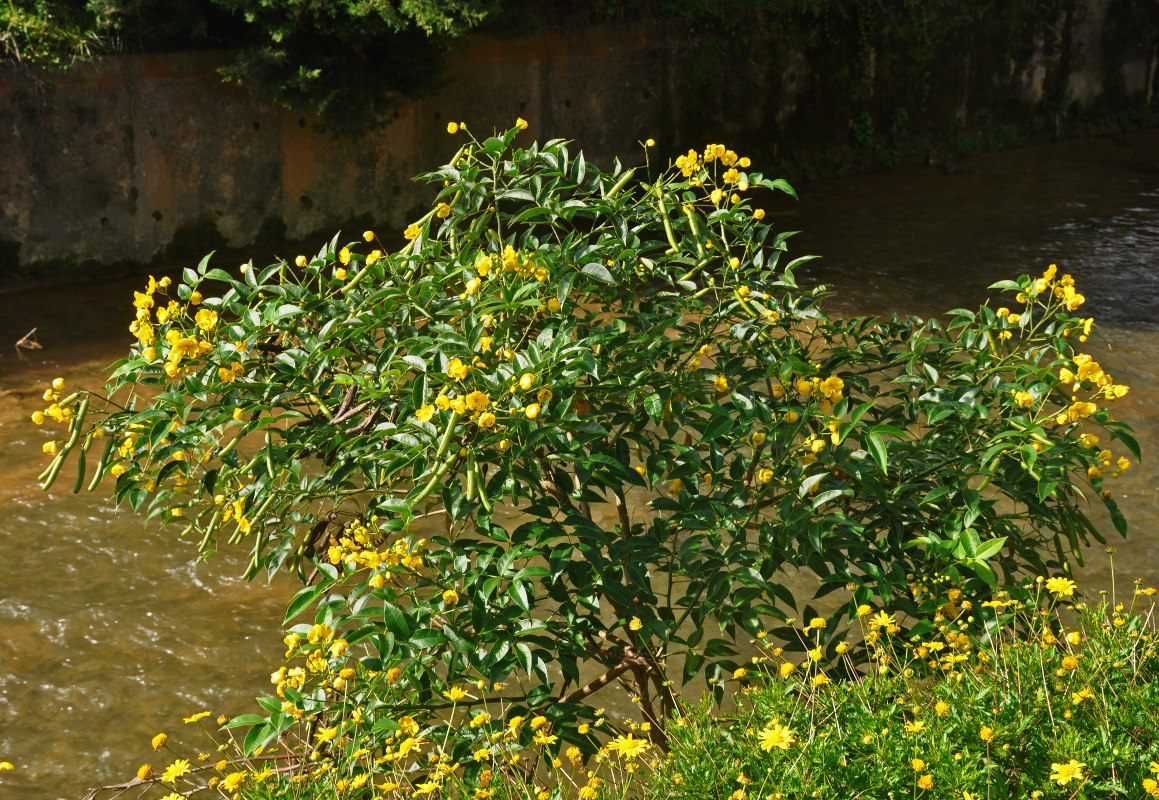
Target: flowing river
(113,631)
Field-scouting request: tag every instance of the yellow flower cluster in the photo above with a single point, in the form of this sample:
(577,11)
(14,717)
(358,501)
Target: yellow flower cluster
(1088,371)
(356,549)
(55,411)
(830,389)
(1062,289)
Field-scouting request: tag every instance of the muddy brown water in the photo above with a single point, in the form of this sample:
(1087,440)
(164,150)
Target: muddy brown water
(113,631)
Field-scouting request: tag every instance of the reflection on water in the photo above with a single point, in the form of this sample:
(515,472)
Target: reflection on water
(112,632)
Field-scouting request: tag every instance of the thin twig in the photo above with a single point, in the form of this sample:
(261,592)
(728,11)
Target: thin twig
(27,343)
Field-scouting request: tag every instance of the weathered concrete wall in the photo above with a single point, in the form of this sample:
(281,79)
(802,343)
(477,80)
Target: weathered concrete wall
(131,158)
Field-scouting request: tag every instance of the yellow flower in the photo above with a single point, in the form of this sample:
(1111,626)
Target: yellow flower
(628,746)
(649,142)
(635,624)
(452,127)
(787,669)
(553,305)
(526,381)
(159,741)
(917,764)
(986,733)
(233,781)
(144,771)
(326,734)
(820,680)
(776,736)
(1070,663)
(477,401)
(1060,587)
(765,475)
(1062,774)
(412,231)
(450,597)
(521,123)
(738,673)
(455,694)
(197,716)
(177,769)
(299,261)
(926,782)
(424,413)
(915,726)
(941,709)
(206,319)
(457,369)
(532,411)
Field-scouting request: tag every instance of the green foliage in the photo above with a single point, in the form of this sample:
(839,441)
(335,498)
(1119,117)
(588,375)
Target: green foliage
(573,434)
(45,32)
(343,59)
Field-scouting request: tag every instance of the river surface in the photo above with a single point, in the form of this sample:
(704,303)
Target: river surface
(113,631)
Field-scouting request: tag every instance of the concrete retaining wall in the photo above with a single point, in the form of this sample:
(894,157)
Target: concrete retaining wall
(131,158)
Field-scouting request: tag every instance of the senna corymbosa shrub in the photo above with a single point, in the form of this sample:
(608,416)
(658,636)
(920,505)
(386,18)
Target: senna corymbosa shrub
(572,434)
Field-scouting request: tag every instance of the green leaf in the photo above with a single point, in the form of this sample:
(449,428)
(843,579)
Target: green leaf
(396,621)
(983,571)
(825,497)
(1006,286)
(990,548)
(654,406)
(245,720)
(304,599)
(425,639)
(1128,441)
(876,447)
(599,272)
(258,736)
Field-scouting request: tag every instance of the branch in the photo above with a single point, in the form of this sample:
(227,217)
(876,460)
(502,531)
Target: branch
(27,343)
(348,413)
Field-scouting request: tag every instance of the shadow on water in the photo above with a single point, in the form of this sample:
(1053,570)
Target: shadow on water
(113,632)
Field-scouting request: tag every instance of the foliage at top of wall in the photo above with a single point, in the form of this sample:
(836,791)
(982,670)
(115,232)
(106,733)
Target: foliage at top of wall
(873,83)
(335,58)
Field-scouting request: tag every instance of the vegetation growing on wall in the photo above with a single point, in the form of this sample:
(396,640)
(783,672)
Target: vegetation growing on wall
(336,58)
(868,82)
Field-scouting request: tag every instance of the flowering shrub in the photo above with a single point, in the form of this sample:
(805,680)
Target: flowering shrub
(568,436)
